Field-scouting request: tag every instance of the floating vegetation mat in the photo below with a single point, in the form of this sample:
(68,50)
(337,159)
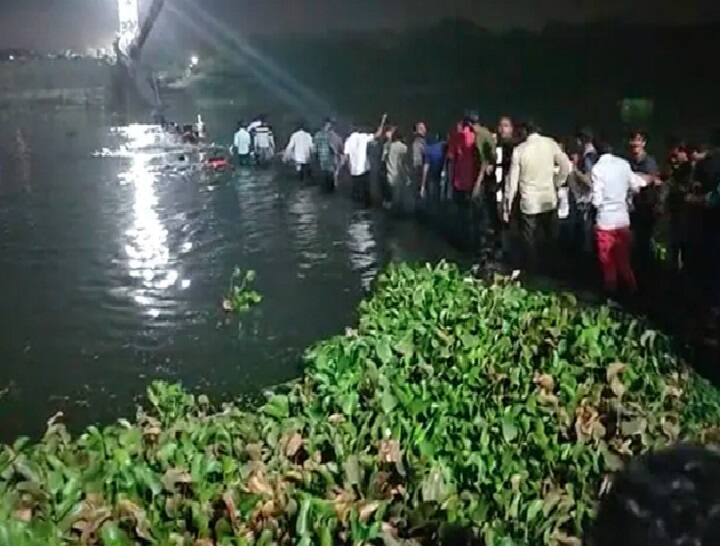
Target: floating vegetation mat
(457,412)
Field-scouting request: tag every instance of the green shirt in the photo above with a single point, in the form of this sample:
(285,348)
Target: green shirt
(485,143)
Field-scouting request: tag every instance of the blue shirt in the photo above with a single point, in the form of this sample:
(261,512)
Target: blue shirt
(645,165)
(435,157)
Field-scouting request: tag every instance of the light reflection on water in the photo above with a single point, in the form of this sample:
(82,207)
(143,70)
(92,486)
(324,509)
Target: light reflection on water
(362,246)
(304,208)
(147,249)
(116,263)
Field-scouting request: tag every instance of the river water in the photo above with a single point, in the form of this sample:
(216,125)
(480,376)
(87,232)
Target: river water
(113,272)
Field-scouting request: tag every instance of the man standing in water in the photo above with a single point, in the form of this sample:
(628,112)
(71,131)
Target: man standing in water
(539,167)
(419,144)
(503,155)
(433,165)
(264,143)
(503,151)
(299,151)
(242,142)
(329,148)
(485,191)
(612,183)
(585,156)
(464,163)
(398,179)
(355,155)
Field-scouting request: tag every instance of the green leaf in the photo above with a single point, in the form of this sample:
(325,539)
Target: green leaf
(384,352)
(303,520)
(509,430)
(112,535)
(278,406)
(389,402)
(351,466)
(534,508)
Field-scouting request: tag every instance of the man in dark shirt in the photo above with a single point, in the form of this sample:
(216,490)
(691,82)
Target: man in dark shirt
(707,171)
(582,220)
(644,217)
(676,205)
(433,165)
(417,151)
(506,142)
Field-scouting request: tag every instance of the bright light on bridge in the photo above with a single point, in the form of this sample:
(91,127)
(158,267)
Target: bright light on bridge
(129,17)
(194,61)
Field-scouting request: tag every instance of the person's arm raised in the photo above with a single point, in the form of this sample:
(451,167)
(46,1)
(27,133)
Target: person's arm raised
(511,186)
(381,127)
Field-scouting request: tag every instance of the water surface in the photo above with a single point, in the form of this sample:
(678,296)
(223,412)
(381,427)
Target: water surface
(113,272)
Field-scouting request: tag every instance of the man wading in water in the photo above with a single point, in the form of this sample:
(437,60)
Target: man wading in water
(538,168)
(329,149)
(355,156)
(299,151)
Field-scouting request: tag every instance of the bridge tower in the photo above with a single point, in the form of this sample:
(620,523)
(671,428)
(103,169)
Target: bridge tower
(129,17)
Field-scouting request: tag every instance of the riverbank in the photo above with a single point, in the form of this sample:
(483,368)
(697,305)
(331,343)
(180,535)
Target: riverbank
(455,412)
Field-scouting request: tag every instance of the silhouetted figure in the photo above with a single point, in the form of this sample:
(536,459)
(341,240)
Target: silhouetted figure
(328,149)
(242,143)
(355,156)
(299,151)
(668,498)
(646,202)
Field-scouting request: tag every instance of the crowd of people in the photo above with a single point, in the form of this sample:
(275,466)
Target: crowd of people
(580,197)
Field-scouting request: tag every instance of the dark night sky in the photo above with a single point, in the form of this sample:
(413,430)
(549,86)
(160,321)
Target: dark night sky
(46,24)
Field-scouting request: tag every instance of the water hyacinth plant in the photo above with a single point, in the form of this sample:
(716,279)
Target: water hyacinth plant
(457,413)
(240,296)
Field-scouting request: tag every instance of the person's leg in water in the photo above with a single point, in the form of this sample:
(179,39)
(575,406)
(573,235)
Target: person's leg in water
(643,226)
(431,202)
(329,181)
(412,194)
(366,196)
(462,223)
(478,230)
(606,241)
(530,227)
(375,181)
(550,227)
(622,252)
(264,157)
(493,225)
(304,172)
(396,197)
(361,190)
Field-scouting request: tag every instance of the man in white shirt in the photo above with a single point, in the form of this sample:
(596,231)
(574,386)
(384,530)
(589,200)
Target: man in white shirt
(356,157)
(242,142)
(538,168)
(613,183)
(299,150)
(264,143)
